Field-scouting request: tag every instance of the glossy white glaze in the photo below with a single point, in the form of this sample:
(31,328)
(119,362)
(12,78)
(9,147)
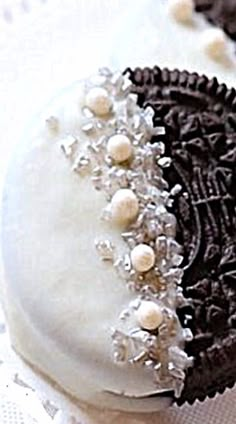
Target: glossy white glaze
(62,300)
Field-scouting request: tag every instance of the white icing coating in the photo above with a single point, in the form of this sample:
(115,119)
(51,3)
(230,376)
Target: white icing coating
(149,315)
(181,10)
(142,257)
(35,318)
(62,300)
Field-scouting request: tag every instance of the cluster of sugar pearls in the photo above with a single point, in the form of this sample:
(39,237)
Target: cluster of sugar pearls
(128,169)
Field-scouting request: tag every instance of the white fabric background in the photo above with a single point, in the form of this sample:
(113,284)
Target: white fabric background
(44,45)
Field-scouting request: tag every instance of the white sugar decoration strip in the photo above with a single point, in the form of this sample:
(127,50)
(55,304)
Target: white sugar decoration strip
(128,168)
(105,249)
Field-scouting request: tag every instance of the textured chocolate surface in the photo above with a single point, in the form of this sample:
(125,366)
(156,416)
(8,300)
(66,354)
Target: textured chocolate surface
(221,13)
(200,119)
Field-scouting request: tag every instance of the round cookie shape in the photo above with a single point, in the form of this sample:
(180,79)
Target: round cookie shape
(46,204)
(199,114)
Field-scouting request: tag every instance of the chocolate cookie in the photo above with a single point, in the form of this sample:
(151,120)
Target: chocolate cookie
(221,13)
(199,115)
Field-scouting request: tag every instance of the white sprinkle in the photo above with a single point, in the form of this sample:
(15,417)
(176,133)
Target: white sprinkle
(164,162)
(176,189)
(105,249)
(81,164)
(126,85)
(88,127)
(187,334)
(52,124)
(68,145)
(158,131)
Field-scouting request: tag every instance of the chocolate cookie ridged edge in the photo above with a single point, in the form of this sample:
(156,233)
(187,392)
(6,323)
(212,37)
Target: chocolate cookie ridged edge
(213,107)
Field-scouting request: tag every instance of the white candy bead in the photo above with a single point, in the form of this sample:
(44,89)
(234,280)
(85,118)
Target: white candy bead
(119,147)
(98,101)
(214,42)
(181,10)
(142,257)
(124,206)
(149,315)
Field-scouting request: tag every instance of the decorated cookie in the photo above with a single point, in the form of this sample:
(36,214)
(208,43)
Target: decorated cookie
(118,241)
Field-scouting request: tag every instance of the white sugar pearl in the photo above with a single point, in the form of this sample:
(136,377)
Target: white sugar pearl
(181,10)
(142,257)
(124,206)
(98,101)
(119,147)
(149,315)
(214,42)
